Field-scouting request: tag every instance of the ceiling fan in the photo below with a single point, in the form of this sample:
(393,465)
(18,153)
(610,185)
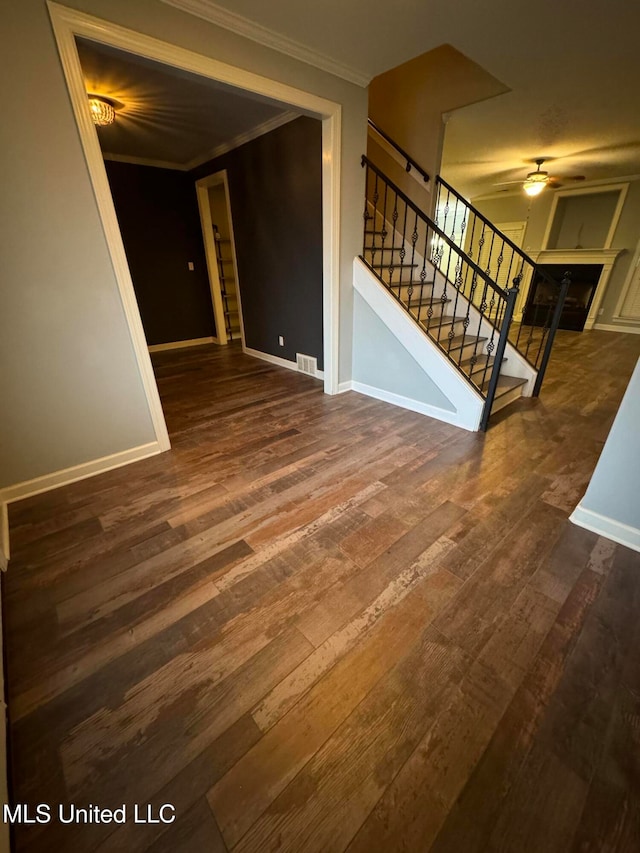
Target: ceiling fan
(536,181)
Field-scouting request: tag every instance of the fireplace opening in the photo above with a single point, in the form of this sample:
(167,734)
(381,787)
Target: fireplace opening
(584,281)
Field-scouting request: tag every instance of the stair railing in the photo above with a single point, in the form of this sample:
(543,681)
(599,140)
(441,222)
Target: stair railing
(502,260)
(410,163)
(455,302)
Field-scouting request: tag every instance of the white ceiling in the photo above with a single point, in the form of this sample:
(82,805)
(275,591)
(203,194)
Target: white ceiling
(573,67)
(170,116)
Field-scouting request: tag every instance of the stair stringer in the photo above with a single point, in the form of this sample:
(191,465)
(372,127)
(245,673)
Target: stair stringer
(466,403)
(518,365)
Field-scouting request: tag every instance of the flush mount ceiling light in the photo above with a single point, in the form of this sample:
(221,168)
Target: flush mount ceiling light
(103,110)
(536,181)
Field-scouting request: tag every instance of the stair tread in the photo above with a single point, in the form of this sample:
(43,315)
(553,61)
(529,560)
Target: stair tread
(464,340)
(448,320)
(386,248)
(481,360)
(395,266)
(415,306)
(505,383)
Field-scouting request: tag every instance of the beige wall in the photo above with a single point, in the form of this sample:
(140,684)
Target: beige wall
(408,101)
(516,207)
(70,386)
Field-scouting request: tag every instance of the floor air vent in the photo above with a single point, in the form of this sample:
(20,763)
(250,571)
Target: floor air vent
(307,364)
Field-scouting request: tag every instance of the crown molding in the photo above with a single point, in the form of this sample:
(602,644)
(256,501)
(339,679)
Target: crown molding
(223,148)
(144,161)
(242,138)
(221,17)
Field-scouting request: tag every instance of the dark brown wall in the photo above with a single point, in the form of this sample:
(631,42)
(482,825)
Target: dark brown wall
(275,185)
(158,215)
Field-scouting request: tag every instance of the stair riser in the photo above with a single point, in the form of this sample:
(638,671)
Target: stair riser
(467,350)
(506,398)
(422,314)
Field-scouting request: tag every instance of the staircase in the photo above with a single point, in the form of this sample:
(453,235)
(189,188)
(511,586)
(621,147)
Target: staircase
(228,288)
(459,279)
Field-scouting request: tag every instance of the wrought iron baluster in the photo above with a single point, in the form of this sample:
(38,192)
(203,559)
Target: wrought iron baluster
(365,215)
(403,251)
(376,197)
(512,295)
(432,288)
(414,240)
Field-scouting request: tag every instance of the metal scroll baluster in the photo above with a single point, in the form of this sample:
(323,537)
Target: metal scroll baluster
(414,240)
(403,251)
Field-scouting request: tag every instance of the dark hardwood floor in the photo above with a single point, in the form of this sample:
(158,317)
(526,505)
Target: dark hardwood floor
(328,624)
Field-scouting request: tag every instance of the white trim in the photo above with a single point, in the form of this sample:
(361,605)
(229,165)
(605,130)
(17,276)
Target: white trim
(412,405)
(624,534)
(224,148)
(331,176)
(623,327)
(68,23)
(234,256)
(632,276)
(203,186)
(591,190)
(77,472)
(144,161)
(192,342)
(208,238)
(345,386)
(229,20)
(242,138)
(280,362)
(466,401)
(5,551)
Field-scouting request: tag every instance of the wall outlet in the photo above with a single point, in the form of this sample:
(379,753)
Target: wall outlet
(191,266)
(600,312)
(281,340)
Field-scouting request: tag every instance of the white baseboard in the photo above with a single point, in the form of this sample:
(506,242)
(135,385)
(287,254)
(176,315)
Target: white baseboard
(345,386)
(280,362)
(622,327)
(193,342)
(77,472)
(413,405)
(4,536)
(618,532)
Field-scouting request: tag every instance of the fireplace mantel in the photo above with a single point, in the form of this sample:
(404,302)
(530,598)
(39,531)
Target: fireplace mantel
(606,257)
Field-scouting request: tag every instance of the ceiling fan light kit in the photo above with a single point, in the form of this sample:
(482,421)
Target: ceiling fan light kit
(536,181)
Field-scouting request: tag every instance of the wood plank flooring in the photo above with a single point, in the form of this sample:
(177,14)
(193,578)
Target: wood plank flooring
(328,624)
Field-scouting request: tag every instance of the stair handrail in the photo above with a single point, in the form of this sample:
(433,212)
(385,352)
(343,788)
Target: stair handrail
(411,163)
(476,358)
(535,352)
(476,212)
(441,234)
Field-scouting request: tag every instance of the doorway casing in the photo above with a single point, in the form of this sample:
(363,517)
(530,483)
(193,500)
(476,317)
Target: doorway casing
(202,191)
(69,24)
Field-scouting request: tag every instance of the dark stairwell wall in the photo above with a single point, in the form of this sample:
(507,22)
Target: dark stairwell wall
(158,216)
(275,185)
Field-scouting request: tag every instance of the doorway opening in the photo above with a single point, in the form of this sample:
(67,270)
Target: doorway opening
(70,25)
(214,205)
